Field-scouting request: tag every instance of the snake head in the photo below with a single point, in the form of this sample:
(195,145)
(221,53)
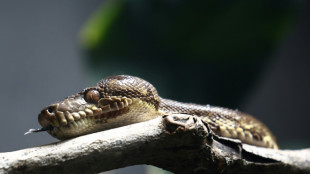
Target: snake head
(115,101)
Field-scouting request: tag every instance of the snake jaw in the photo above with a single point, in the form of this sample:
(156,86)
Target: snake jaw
(76,112)
(114,103)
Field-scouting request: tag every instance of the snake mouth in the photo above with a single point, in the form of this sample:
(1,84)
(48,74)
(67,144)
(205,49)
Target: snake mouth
(61,119)
(52,116)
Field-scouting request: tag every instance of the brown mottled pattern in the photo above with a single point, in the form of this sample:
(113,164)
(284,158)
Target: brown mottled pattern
(225,122)
(131,87)
(126,100)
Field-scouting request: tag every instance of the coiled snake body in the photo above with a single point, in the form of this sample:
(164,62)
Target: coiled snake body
(122,100)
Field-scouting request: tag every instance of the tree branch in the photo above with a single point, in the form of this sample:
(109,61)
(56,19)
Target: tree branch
(178,143)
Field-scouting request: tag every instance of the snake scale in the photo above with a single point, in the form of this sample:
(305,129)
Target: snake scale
(122,100)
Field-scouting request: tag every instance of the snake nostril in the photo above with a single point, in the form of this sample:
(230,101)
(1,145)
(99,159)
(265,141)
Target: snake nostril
(51,109)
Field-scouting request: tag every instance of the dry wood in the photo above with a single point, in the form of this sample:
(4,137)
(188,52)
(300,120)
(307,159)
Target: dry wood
(177,143)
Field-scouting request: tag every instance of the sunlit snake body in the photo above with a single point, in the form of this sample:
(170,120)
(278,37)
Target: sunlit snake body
(122,100)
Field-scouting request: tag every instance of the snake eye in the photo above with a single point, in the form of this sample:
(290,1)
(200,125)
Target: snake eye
(92,96)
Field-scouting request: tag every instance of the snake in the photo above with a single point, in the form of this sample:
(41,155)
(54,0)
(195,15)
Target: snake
(122,100)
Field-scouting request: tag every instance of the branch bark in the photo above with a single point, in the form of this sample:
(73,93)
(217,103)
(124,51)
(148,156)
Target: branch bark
(178,143)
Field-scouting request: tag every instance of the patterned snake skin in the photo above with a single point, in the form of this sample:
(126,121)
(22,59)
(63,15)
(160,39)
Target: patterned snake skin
(122,100)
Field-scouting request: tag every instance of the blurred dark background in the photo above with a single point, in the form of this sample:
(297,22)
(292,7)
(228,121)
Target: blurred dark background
(246,55)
